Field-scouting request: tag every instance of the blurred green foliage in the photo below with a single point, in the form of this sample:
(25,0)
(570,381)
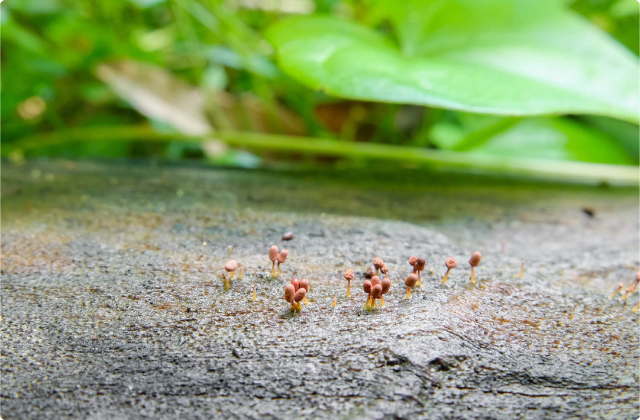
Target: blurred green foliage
(62,68)
(525,57)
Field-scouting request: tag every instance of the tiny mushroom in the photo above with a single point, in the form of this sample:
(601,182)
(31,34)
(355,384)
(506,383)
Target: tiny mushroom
(521,271)
(240,273)
(412,262)
(386,285)
(375,280)
(410,281)
(367,286)
(627,292)
(289,293)
(348,276)
(371,271)
(451,263)
(253,286)
(335,299)
(273,256)
(294,293)
(618,290)
(384,270)
(282,257)
(420,265)
(377,263)
(376,293)
(632,287)
(304,284)
(299,296)
(231,266)
(474,261)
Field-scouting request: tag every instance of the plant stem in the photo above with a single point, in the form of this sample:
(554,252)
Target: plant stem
(409,156)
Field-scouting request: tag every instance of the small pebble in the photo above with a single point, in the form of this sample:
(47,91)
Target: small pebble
(287,236)
(589,211)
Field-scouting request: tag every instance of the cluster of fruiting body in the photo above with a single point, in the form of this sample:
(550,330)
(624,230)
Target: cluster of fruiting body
(375,289)
(296,292)
(632,287)
(279,257)
(629,290)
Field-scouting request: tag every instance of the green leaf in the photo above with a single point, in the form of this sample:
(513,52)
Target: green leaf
(624,133)
(505,57)
(146,3)
(624,8)
(544,138)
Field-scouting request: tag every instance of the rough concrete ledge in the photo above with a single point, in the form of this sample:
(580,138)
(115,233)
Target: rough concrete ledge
(112,306)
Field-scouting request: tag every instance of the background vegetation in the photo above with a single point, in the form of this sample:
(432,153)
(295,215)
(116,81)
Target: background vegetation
(498,85)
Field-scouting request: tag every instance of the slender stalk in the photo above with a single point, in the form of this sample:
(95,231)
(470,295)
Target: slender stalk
(444,279)
(368,304)
(521,271)
(618,289)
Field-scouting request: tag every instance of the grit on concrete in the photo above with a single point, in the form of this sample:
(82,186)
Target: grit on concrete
(112,304)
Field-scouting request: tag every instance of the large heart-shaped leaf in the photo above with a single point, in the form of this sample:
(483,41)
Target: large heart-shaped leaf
(508,57)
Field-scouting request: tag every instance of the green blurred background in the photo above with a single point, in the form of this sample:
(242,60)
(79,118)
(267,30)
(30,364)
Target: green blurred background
(284,83)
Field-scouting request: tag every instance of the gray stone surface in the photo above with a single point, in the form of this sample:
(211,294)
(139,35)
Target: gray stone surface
(112,304)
